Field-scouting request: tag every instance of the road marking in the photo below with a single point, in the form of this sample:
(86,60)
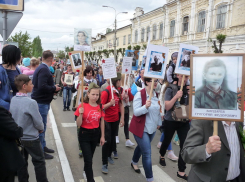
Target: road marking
(62,155)
(97,179)
(65,125)
(158,174)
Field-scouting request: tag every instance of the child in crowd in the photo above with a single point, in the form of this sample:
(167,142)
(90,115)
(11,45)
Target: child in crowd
(29,118)
(90,120)
(26,65)
(34,63)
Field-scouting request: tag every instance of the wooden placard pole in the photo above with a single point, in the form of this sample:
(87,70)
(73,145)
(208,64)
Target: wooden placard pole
(215,126)
(124,84)
(182,84)
(112,96)
(82,78)
(152,85)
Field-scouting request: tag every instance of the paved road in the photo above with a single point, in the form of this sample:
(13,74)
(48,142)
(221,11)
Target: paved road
(121,171)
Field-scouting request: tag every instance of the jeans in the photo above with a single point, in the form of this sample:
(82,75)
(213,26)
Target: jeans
(67,97)
(88,139)
(161,140)
(33,148)
(182,129)
(43,109)
(110,137)
(144,148)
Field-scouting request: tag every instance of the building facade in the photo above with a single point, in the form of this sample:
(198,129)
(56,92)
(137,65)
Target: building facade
(191,22)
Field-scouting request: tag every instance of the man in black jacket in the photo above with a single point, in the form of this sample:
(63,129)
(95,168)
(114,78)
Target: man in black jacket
(11,159)
(43,92)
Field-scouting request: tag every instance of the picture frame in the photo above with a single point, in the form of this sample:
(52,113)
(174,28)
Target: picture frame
(127,65)
(14,5)
(109,68)
(76,60)
(82,39)
(183,60)
(217,92)
(68,79)
(156,61)
(79,94)
(135,55)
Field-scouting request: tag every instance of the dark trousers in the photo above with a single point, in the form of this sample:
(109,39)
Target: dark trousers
(33,148)
(88,139)
(182,129)
(6,176)
(110,137)
(126,121)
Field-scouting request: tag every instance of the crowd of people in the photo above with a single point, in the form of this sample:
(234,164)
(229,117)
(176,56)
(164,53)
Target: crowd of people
(28,86)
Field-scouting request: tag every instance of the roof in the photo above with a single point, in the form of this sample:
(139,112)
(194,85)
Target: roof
(145,14)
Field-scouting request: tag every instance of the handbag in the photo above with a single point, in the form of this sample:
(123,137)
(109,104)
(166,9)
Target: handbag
(181,113)
(73,89)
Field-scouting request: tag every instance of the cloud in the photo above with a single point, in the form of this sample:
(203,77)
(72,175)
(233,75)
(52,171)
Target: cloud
(55,20)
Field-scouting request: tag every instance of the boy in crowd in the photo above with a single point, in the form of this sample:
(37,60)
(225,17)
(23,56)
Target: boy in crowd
(29,118)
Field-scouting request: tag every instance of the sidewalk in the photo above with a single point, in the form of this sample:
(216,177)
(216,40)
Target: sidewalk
(53,166)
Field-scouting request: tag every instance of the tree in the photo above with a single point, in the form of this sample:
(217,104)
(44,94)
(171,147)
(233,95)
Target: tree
(24,42)
(37,49)
(221,39)
(108,30)
(99,53)
(106,53)
(136,48)
(61,54)
(129,47)
(67,50)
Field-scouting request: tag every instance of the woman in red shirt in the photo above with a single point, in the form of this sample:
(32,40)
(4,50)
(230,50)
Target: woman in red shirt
(90,118)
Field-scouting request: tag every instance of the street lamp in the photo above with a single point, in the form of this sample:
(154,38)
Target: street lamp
(115,31)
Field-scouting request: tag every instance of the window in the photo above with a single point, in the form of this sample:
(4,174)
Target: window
(124,39)
(142,35)
(136,36)
(118,41)
(129,38)
(172,28)
(154,36)
(185,25)
(221,14)
(161,31)
(148,30)
(201,21)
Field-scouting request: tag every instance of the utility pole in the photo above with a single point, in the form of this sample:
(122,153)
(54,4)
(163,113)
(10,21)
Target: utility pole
(115,40)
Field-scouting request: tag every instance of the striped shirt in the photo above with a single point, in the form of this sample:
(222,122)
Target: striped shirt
(233,141)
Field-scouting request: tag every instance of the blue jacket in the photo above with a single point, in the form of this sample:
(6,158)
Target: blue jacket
(6,92)
(98,80)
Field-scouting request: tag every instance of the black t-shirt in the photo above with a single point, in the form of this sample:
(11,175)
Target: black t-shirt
(11,75)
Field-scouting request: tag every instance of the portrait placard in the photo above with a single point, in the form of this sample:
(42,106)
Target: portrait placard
(143,63)
(127,65)
(82,39)
(68,79)
(217,87)
(17,5)
(135,55)
(79,94)
(76,60)
(109,68)
(183,60)
(156,61)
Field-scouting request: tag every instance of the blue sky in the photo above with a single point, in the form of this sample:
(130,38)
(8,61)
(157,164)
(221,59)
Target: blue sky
(54,20)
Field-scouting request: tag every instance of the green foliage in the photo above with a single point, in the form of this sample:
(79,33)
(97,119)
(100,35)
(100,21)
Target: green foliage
(129,47)
(67,50)
(221,39)
(37,49)
(111,51)
(61,54)
(106,53)
(144,46)
(137,47)
(24,42)
(108,30)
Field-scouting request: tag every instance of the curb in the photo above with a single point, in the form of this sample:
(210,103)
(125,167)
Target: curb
(68,177)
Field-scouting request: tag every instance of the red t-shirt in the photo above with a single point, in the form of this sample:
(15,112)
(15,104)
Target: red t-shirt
(91,116)
(111,113)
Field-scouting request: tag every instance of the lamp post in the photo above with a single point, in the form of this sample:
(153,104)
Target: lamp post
(115,31)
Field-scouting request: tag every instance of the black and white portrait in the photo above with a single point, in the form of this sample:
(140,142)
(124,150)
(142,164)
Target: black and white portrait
(76,61)
(185,59)
(132,54)
(69,79)
(215,83)
(156,62)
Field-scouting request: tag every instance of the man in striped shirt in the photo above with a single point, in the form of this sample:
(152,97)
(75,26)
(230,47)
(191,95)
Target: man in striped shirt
(214,158)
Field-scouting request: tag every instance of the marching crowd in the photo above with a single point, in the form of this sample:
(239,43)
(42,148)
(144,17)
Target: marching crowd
(28,86)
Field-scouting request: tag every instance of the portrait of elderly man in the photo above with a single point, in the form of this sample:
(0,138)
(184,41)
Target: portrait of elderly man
(132,54)
(186,61)
(214,93)
(214,158)
(156,65)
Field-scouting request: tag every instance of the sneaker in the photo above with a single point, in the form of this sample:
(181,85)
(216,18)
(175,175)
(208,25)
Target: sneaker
(64,109)
(117,139)
(68,109)
(84,176)
(162,162)
(129,143)
(115,155)
(47,150)
(47,156)
(111,161)
(172,156)
(185,177)
(80,154)
(176,142)
(104,169)
(159,145)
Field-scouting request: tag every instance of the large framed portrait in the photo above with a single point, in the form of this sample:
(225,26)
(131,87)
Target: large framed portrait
(183,60)
(76,60)
(82,39)
(68,79)
(17,5)
(135,55)
(217,87)
(155,65)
